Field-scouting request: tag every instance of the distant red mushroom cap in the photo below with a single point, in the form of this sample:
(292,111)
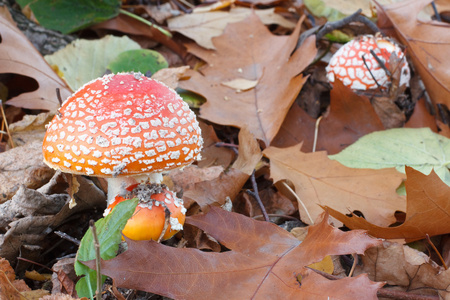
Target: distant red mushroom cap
(348,66)
(120,125)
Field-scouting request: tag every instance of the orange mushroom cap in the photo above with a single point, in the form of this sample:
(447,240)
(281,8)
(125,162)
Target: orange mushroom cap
(147,222)
(120,125)
(348,66)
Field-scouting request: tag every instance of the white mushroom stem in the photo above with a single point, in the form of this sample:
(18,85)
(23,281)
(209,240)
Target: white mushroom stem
(117,185)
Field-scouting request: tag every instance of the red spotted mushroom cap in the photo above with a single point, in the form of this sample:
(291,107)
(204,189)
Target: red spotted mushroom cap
(348,66)
(120,125)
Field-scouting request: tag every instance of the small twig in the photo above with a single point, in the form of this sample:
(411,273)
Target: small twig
(380,63)
(437,252)
(316,133)
(277,216)
(368,69)
(356,17)
(6,124)
(436,13)
(228,145)
(35,263)
(58,96)
(98,292)
(147,22)
(255,195)
(355,262)
(65,236)
(299,201)
(184,9)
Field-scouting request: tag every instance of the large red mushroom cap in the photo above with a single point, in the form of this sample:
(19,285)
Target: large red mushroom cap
(348,66)
(120,125)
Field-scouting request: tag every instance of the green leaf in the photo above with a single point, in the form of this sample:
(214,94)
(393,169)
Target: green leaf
(419,148)
(68,16)
(84,60)
(109,236)
(139,60)
(194,100)
(320,9)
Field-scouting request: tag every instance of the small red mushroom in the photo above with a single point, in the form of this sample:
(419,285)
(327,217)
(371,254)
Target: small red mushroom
(348,66)
(122,126)
(148,221)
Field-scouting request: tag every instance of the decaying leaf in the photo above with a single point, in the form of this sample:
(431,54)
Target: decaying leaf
(22,166)
(263,262)
(321,181)
(427,210)
(428,43)
(229,183)
(203,26)
(10,288)
(350,117)
(18,56)
(405,268)
(248,50)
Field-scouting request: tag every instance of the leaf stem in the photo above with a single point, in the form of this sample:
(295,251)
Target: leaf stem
(98,292)
(147,22)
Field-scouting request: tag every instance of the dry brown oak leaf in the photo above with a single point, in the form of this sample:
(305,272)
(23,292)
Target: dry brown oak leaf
(251,79)
(263,262)
(405,268)
(18,56)
(428,44)
(319,181)
(427,210)
(350,117)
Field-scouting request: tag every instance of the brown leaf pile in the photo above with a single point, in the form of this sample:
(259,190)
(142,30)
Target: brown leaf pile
(263,261)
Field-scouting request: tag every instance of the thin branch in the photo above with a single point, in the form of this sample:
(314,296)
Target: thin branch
(437,252)
(436,13)
(255,195)
(368,69)
(299,201)
(356,17)
(6,125)
(65,236)
(316,133)
(380,63)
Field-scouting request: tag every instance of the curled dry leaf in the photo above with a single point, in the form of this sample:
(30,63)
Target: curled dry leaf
(170,76)
(427,210)
(276,69)
(18,56)
(229,183)
(27,218)
(263,262)
(22,166)
(406,269)
(427,43)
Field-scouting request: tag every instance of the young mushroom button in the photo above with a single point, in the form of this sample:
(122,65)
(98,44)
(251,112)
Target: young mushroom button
(121,126)
(348,65)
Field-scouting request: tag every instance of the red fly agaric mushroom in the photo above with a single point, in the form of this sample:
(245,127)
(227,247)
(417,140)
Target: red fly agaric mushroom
(348,65)
(122,126)
(148,221)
